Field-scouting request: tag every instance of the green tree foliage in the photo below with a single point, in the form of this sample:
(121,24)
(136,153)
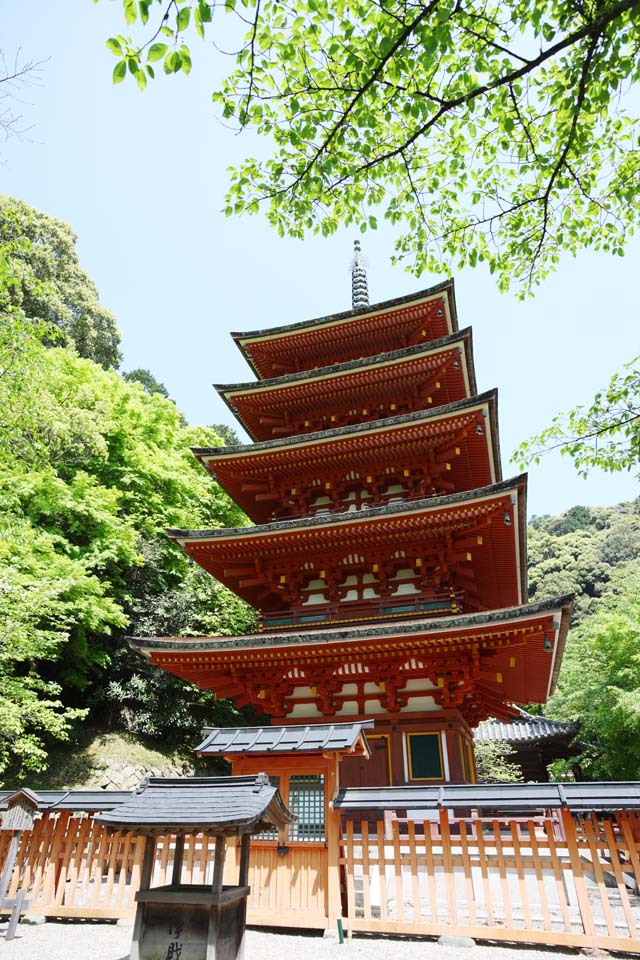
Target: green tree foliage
(494,763)
(495,132)
(49,286)
(579,552)
(599,682)
(147,379)
(89,478)
(227,434)
(605,435)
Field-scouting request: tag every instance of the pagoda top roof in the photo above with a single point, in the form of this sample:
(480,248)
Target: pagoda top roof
(308,340)
(334,368)
(441,634)
(291,404)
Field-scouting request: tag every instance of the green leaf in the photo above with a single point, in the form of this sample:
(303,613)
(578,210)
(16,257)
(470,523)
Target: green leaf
(182,20)
(114,46)
(120,71)
(185,57)
(141,79)
(130,11)
(156,52)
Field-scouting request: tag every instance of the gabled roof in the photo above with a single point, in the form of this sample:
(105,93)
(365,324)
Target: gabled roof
(389,325)
(212,805)
(309,738)
(86,800)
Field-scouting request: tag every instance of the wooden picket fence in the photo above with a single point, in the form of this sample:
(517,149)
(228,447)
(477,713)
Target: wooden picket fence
(562,880)
(70,866)
(553,880)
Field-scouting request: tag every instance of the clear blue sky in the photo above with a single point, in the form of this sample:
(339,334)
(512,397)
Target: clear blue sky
(141,178)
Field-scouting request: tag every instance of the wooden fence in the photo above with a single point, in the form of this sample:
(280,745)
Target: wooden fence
(560,880)
(72,867)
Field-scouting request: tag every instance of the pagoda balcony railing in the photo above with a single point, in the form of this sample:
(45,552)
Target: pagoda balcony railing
(377,608)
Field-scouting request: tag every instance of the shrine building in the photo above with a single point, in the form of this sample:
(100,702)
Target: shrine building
(387,560)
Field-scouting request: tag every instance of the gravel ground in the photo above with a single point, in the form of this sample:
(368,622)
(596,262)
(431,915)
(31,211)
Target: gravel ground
(109,941)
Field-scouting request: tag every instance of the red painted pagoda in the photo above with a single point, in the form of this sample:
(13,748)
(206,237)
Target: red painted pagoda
(388,556)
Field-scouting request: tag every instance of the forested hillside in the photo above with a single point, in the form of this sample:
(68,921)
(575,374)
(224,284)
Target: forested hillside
(594,552)
(94,464)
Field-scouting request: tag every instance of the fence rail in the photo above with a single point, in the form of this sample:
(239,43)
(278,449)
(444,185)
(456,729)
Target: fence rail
(555,880)
(558,879)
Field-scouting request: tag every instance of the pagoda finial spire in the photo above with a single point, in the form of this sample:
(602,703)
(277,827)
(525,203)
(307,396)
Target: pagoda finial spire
(359,285)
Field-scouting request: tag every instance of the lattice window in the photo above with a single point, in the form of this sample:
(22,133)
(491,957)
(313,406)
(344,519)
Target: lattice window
(306,800)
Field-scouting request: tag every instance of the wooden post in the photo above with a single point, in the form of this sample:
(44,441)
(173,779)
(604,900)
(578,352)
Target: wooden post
(178,855)
(243,878)
(9,863)
(332,820)
(146,876)
(218,866)
(15,915)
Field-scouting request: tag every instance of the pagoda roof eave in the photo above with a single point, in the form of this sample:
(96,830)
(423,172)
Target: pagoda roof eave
(447,628)
(465,335)
(490,397)
(379,441)
(330,519)
(446,286)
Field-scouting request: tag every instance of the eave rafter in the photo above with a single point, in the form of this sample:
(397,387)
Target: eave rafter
(420,456)
(476,672)
(434,549)
(355,392)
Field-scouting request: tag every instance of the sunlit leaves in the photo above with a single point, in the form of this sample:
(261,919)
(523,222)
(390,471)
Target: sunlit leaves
(156,52)
(120,71)
(599,683)
(604,435)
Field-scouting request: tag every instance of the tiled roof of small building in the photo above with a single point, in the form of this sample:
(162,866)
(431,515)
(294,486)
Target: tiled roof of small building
(85,800)
(525,728)
(219,741)
(214,805)
(508,797)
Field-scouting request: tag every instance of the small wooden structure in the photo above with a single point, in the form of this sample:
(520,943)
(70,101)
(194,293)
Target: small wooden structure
(536,741)
(195,921)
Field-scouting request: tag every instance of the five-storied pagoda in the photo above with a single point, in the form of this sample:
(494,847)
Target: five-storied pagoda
(388,556)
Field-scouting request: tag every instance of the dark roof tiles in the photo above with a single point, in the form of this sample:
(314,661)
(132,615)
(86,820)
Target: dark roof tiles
(221,741)
(214,805)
